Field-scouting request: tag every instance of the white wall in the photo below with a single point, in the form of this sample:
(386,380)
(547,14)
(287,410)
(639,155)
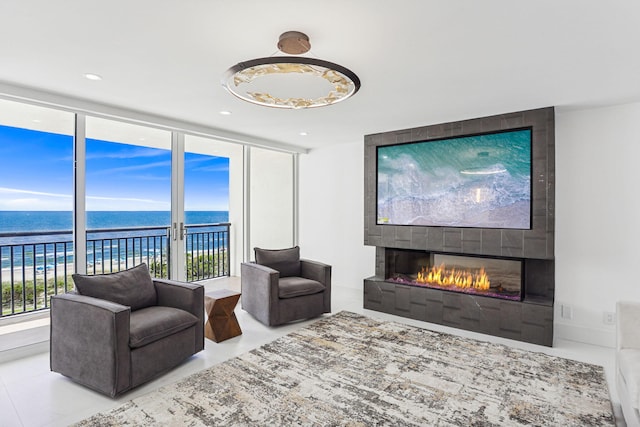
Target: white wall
(271,199)
(332,212)
(597,218)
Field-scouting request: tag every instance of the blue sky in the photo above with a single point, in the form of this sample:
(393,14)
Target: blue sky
(36,174)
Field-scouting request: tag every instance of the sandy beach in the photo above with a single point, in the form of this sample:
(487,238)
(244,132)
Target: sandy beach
(51,271)
(58,271)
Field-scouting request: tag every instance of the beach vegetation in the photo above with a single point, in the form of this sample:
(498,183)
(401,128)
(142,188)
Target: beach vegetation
(203,266)
(27,295)
(159,269)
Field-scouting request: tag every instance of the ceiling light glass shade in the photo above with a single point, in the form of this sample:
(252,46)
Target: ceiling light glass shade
(291,82)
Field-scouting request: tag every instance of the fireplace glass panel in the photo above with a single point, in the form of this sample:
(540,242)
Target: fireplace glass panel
(491,277)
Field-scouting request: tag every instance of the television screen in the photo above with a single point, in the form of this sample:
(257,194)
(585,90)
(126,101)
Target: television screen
(479,181)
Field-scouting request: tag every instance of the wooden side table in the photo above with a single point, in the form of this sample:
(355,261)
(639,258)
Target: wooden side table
(222,323)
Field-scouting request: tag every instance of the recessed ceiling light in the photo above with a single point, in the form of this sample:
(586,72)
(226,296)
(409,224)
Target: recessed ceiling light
(91,76)
(303,134)
(225,113)
(36,120)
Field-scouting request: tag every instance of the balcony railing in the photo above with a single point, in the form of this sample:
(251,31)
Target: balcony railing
(116,249)
(34,267)
(207,250)
(37,265)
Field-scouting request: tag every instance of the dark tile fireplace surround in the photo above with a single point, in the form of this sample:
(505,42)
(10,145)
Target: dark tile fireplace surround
(528,317)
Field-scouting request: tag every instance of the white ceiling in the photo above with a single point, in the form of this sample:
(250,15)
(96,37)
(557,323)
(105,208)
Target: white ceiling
(420,61)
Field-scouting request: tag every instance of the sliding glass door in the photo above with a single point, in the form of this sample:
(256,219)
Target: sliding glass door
(157,197)
(206,208)
(127,196)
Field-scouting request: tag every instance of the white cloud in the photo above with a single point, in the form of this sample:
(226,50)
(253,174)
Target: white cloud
(132,168)
(36,193)
(215,168)
(26,202)
(35,204)
(128,154)
(108,203)
(124,199)
(18,199)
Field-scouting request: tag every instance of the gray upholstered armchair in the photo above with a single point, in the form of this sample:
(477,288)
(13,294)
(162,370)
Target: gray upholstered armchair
(122,329)
(279,287)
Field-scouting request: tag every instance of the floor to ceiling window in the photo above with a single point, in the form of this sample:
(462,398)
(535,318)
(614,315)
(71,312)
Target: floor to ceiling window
(36,170)
(82,193)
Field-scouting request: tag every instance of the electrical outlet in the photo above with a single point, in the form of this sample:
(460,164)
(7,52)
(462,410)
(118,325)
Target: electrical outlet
(609,318)
(566,312)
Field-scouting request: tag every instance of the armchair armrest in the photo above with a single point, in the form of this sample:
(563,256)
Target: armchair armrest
(628,325)
(185,296)
(315,270)
(260,279)
(259,268)
(259,290)
(320,272)
(96,332)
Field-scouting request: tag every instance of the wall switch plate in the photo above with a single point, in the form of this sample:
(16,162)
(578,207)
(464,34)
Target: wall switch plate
(566,312)
(609,318)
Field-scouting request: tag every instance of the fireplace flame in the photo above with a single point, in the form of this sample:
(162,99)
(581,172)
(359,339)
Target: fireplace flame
(442,276)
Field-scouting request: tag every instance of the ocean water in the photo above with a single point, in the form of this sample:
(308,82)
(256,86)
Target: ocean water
(45,250)
(29,221)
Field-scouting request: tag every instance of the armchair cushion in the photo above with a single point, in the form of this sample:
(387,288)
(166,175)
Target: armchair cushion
(153,323)
(133,287)
(290,287)
(286,261)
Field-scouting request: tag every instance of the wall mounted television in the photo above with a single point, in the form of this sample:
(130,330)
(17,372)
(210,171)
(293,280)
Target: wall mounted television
(477,181)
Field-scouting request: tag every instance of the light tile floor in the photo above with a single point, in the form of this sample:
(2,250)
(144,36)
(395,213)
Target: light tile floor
(31,395)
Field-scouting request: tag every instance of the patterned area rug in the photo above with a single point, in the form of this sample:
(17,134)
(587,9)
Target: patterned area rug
(351,370)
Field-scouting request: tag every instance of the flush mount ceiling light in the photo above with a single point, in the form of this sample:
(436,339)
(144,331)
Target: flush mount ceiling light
(292,82)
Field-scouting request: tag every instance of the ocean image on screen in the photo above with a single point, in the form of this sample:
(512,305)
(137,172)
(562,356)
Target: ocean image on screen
(481,181)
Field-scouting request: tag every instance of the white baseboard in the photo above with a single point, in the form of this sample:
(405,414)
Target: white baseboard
(24,339)
(24,351)
(584,334)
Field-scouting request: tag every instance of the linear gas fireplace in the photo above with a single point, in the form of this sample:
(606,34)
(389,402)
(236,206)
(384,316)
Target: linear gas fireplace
(485,276)
(501,296)
(462,218)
